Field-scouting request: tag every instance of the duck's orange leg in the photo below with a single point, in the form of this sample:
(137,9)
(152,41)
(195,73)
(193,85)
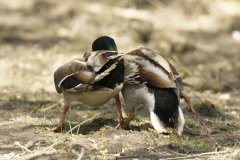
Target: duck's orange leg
(187,100)
(118,104)
(128,120)
(60,126)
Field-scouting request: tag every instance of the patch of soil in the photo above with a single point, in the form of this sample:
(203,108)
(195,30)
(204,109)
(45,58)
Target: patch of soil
(200,38)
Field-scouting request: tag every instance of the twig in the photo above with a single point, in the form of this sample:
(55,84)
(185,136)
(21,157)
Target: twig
(195,155)
(41,151)
(72,130)
(182,157)
(49,107)
(23,147)
(134,156)
(175,152)
(81,154)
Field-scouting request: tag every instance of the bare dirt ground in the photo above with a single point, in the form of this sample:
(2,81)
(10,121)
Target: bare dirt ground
(201,38)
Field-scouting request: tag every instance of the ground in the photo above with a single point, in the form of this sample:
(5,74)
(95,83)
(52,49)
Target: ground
(201,38)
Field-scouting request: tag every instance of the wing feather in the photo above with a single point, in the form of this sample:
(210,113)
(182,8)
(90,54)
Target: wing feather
(152,67)
(98,59)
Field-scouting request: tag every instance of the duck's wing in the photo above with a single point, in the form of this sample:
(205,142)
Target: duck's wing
(87,88)
(152,67)
(79,76)
(107,66)
(98,59)
(131,75)
(74,74)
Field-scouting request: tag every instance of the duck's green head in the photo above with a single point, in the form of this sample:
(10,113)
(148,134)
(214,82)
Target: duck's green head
(104,43)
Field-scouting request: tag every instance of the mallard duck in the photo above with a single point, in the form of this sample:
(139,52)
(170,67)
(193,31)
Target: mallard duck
(144,68)
(97,60)
(162,103)
(137,91)
(157,84)
(92,86)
